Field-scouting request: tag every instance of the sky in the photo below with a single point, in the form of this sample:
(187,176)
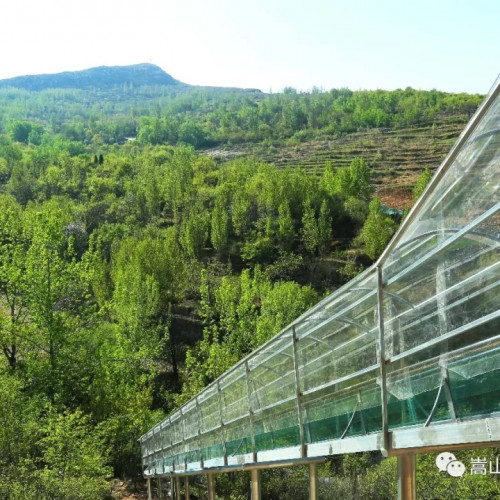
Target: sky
(267,44)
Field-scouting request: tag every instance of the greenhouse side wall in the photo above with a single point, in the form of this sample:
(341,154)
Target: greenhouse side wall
(406,355)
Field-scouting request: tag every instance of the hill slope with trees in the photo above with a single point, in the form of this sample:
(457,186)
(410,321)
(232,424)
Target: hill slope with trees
(135,268)
(101,77)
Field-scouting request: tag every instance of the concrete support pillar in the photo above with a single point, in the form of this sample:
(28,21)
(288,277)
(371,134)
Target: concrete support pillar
(313,482)
(407,484)
(211,486)
(255,484)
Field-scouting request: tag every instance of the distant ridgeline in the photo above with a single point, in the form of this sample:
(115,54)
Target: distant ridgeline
(103,76)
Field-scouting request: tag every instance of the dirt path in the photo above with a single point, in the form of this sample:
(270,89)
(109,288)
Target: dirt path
(129,490)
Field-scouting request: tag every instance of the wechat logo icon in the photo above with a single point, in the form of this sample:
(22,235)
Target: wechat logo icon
(448,462)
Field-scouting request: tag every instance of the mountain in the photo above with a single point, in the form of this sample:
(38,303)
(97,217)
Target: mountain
(101,77)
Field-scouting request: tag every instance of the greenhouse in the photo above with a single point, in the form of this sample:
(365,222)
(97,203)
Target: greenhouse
(405,358)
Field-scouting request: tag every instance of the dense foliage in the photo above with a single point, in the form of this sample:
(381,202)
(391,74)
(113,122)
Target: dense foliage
(131,275)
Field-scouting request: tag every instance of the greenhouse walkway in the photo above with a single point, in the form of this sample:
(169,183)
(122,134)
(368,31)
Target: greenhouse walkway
(404,359)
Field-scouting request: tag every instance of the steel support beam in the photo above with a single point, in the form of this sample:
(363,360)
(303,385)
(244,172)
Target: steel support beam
(222,429)
(298,395)
(407,487)
(313,482)
(198,412)
(150,496)
(187,495)
(255,484)
(177,488)
(250,411)
(183,420)
(381,360)
(211,486)
(160,491)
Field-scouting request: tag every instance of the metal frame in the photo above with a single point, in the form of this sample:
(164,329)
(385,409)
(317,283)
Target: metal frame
(255,484)
(403,442)
(298,394)
(211,486)
(407,477)
(313,482)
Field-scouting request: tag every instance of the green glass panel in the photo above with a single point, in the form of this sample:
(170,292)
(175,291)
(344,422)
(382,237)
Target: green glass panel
(280,438)
(475,383)
(214,451)
(239,446)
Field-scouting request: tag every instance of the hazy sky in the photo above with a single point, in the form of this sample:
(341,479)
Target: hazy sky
(450,45)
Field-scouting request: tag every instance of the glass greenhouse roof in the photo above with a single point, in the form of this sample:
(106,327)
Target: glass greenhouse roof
(405,355)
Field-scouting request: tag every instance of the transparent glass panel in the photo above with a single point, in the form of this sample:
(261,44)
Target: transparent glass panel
(272,375)
(211,432)
(468,361)
(176,428)
(349,293)
(452,289)
(327,413)
(193,451)
(277,427)
(413,391)
(165,436)
(191,420)
(467,190)
(239,437)
(475,380)
(344,343)
(235,412)
(273,395)
(234,395)
(209,409)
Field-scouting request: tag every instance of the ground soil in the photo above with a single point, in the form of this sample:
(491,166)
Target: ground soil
(129,490)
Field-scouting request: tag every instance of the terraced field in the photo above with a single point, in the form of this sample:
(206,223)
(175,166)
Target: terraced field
(397,155)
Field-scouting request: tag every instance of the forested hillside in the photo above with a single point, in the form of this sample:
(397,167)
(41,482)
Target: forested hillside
(135,268)
(399,133)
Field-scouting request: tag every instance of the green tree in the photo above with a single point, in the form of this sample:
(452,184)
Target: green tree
(354,180)
(48,277)
(324,228)
(240,212)
(422,181)
(258,246)
(74,457)
(286,227)
(219,231)
(377,230)
(148,274)
(194,231)
(310,231)
(192,133)
(20,131)
(13,331)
